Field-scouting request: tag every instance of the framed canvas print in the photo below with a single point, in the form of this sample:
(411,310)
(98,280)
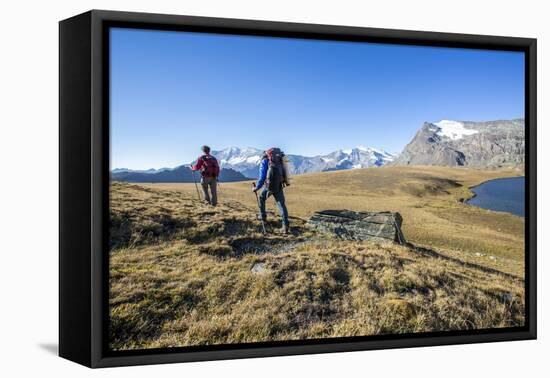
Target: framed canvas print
(234,188)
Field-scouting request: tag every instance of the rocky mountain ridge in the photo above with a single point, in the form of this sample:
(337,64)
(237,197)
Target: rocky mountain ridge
(246,160)
(463,143)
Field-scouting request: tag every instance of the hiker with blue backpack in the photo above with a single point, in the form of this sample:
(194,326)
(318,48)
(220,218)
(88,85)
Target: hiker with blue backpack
(273,178)
(209,169)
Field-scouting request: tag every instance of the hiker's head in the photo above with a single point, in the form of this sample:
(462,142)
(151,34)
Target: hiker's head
(205,149)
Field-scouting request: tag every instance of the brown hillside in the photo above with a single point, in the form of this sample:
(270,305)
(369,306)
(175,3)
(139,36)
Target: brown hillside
(183,273)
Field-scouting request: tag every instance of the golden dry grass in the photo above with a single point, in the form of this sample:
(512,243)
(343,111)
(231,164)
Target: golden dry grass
(428,199)
(183,273)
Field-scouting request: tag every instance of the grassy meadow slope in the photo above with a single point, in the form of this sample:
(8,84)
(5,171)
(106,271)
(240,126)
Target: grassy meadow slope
(427,197)
(184,273)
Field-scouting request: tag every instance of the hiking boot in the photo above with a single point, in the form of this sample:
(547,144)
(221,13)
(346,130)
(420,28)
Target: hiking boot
(285,229)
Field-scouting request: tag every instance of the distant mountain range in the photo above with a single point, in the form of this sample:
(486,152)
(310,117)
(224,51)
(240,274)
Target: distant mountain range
(151,170)
(447,143)
(462,143)
(239,164)
(246,160)
(178,174)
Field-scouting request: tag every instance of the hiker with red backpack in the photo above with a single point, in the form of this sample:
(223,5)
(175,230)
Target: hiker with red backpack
(209,168)
(273,178)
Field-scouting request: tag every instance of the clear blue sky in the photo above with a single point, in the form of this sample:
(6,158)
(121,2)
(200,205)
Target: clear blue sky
(174,91)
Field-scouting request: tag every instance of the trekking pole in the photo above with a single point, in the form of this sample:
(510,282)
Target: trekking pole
(196,186)
(261,218)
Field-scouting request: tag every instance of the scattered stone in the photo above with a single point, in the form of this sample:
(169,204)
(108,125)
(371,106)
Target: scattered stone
(507,297)
(274,244)
(258,268)
(363,225)
(492,258)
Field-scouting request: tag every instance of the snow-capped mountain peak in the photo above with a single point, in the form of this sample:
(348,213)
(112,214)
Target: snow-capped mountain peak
(236,155)
(246,160)
(484,144)
(363,157)
(453,129)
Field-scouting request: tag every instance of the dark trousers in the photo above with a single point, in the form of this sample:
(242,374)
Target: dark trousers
(209,182)
(279,200)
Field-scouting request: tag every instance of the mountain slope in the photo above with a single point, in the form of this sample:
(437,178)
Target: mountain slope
(183,273)
(461,143)
(428,198)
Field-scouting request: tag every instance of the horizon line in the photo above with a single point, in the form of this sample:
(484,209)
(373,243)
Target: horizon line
(321,154)
(259,149)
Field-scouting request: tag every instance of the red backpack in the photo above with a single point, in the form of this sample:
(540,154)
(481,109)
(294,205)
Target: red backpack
(210,167)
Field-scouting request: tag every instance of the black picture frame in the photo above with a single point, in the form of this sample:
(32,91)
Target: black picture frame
(84,186)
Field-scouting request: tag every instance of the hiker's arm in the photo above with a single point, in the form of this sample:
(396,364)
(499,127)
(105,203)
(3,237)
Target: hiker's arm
(263,174)
(198,165)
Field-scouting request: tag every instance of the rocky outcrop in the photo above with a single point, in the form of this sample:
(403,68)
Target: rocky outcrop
(459,143)
(364,225)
